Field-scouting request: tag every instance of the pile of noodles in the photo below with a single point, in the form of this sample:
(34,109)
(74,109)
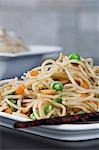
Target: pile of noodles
(80,92)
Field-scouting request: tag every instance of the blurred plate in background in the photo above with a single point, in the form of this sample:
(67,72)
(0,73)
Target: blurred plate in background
(34,50)
(15,64)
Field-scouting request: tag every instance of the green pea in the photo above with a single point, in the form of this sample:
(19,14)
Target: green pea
(56,85)
(81,112)
(48,108)
(58,100)
(74,56)
(32,116)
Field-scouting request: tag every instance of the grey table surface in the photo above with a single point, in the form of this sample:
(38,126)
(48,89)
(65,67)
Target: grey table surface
(17,140)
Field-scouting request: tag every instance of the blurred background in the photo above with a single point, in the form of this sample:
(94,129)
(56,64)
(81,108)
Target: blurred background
(72,24)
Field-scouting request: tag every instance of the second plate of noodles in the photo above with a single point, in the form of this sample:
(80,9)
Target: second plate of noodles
(62,87)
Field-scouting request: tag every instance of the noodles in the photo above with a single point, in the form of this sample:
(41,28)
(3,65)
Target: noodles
(56,88)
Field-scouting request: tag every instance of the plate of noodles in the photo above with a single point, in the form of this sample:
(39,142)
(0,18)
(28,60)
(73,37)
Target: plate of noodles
(58,88)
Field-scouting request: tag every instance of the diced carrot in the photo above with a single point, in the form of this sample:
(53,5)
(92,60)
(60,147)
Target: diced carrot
(82,95)
(20,89)
(8,110)
(85,85)
(33,73)
(75,110)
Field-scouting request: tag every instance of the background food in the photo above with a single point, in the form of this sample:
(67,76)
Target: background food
(10,42)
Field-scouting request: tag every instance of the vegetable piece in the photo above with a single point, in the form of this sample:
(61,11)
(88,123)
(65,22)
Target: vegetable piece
(11,93)
(32,116)
(14,101)
(82,95)
(20,89)
(58,100)
(74,56)
(13,109)
(33,73)
(8,110)
(81,112)
(48,108)
(85,85)
(56,85)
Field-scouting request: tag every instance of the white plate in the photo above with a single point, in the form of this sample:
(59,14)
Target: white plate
(70,132)
(34,50)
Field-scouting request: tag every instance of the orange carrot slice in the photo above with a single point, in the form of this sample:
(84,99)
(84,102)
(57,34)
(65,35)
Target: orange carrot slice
(85,85)
(8,110)
(82,95)
(33,73)
(20,89)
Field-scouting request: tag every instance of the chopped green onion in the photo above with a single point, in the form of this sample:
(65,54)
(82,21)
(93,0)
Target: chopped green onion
(32,116)
(11,93)
(58,100)
(14,101)
(56,85)
(48,108)
(81,112)
(74,56)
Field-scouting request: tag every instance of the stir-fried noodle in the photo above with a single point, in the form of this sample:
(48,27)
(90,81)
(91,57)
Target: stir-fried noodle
(56,88)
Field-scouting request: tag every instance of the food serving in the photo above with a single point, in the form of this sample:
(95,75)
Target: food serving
(58,88)
(10,43)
